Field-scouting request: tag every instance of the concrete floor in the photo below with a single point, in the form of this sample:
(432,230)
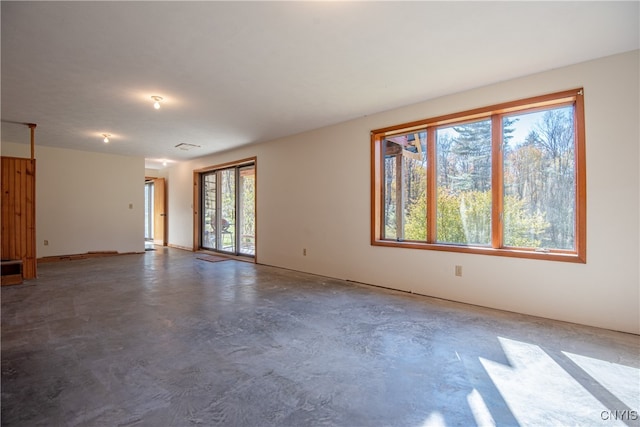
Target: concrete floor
(165,339)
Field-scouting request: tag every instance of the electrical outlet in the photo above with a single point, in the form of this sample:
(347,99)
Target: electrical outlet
(304,252)
(459,270)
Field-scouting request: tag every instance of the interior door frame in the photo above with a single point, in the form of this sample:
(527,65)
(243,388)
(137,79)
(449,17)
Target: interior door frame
(148,209)
(159,210)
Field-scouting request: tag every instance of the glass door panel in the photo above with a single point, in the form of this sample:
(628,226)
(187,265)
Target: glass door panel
(208,225)
(246,207)
(227,227)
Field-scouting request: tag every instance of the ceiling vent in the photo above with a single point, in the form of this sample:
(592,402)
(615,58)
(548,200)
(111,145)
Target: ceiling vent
(186,147)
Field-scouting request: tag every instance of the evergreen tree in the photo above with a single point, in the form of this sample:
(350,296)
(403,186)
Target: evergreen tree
(472,148)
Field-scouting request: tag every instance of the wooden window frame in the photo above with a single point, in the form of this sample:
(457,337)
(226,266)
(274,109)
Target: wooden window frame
(495,113)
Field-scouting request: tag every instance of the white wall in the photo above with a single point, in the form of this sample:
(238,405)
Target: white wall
(314,193)
(83,198)
(155,173)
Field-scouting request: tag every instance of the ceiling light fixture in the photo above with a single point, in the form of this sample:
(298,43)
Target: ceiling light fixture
(164,163)
(106,137)
(157,100)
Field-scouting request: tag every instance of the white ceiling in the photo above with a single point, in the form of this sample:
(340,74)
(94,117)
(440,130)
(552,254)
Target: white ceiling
(234,73)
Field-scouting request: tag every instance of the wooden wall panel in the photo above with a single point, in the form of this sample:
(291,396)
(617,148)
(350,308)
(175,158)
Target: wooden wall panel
(18,213)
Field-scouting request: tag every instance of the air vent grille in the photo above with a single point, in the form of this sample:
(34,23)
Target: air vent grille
(186,147)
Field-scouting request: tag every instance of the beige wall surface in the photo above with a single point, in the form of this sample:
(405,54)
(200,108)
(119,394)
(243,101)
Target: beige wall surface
(314,193)
(10,149)
(155,173)
(83,199)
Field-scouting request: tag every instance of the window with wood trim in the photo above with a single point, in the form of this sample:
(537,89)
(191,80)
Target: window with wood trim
(508,180)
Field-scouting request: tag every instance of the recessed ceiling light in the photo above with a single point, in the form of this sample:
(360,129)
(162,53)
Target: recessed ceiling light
(157,100)
(106,137)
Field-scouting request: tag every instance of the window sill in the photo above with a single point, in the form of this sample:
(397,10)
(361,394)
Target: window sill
(513,253)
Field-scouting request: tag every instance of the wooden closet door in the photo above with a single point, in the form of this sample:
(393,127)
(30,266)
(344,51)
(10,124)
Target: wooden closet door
(18,221)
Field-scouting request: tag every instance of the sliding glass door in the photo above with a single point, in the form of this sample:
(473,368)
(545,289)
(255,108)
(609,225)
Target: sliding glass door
(228,210)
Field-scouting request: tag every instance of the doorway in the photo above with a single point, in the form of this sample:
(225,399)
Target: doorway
(154,213)
(227,200)
(148,215)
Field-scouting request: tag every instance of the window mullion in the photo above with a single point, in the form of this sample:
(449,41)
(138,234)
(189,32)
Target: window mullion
(497,182)
(377,187)
(432,185)
(400,202)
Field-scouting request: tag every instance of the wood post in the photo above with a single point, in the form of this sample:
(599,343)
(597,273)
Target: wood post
(32,126)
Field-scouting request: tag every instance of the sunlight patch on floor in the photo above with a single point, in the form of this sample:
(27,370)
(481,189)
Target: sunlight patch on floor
(479,409)
(435,420)
(533,374)
(621,381)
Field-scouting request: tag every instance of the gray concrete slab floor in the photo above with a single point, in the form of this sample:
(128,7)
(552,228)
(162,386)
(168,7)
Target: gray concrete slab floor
(165,339)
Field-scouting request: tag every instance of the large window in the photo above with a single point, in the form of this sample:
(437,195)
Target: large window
(503,180)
